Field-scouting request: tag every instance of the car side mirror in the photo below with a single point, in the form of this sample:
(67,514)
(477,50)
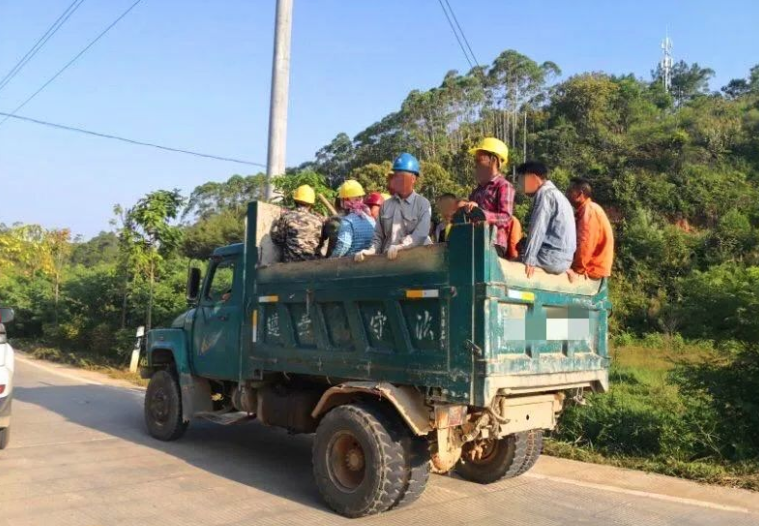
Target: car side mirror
(193,285)
(6,315)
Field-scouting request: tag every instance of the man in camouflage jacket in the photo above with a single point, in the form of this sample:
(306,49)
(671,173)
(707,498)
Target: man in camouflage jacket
(297,232)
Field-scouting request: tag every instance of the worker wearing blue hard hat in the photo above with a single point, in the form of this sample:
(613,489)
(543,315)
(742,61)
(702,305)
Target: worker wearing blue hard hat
(404,219)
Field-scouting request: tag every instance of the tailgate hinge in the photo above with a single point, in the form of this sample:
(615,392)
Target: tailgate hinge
(474,348)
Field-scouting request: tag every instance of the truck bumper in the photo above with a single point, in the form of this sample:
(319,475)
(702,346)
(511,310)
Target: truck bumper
(511,385)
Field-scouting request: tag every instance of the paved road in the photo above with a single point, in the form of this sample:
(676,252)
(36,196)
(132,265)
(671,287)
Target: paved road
(79,456)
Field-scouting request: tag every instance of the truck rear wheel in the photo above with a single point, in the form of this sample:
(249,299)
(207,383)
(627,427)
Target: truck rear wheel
(163,407)
(534,449)
(418,455)
(487,461)
(5,437)
(361,466)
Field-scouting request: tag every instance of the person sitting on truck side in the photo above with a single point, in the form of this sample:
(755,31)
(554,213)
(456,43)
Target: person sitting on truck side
(404,218)
(494,194)
(357,226)
(328,238)
(446,206)
(374,201)
(551,241)
(595,237)
(297,231)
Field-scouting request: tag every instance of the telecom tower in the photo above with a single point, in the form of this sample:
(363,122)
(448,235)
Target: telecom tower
(666,63)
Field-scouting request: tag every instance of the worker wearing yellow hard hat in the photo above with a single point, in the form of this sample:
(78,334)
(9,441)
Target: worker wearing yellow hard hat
(494,194)
(304,195)
(297,232)
(357,226)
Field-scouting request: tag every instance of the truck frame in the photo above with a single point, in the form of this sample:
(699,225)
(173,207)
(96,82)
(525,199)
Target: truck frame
(447,358)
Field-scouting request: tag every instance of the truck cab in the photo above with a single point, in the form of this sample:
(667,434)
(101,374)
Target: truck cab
(447,358)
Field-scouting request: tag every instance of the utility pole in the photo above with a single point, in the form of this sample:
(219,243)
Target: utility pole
(280,86)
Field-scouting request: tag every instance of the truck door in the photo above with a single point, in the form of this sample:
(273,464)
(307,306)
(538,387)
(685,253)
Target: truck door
(216,332)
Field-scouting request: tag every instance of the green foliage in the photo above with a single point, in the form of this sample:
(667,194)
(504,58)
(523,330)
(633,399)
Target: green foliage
(218,230)
(373,177)
(287,184)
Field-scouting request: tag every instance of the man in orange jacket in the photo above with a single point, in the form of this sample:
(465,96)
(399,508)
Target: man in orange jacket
(595,238)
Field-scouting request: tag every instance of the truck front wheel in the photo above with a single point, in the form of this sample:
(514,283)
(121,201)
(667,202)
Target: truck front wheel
(163,407)
(361,466)
(487,461)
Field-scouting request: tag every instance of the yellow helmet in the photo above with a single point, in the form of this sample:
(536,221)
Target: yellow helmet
(494,146)
(351,188)
(304,194)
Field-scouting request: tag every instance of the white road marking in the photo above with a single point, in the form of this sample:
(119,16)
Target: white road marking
(638,493)
(57,371)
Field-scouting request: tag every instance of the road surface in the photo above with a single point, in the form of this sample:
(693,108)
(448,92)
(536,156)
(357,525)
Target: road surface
(79,456)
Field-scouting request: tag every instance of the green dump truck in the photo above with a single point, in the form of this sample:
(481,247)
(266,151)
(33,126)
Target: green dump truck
(447,358)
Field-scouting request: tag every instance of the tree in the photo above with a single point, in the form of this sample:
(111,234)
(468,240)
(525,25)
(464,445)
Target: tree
(287,184)
(103,248)
(148,223)
(373,177)
(688,81)
(234,194)
(334,160)
(200,239)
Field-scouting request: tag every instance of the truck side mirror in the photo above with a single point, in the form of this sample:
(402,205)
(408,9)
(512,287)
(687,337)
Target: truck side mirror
(6,315)
(193,284)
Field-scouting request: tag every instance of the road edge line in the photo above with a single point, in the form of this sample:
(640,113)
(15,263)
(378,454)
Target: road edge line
(639,493)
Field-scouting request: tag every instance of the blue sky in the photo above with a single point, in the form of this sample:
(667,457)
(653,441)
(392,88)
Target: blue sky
(195,74)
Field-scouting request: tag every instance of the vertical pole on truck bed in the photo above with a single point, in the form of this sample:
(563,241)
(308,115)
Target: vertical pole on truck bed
(280,85)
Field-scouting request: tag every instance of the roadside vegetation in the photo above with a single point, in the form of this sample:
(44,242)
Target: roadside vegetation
(678,176)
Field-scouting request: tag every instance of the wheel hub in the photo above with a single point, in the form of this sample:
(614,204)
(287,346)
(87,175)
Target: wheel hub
(346,461)
(354,460)
(159,406)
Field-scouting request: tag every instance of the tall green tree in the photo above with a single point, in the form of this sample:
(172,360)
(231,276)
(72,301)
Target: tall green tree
(149,223)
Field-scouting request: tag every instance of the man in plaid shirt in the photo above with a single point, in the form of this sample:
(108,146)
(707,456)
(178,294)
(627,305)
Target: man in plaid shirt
(494,195)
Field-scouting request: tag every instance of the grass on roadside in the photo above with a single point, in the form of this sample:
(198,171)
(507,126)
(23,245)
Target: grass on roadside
(656,418)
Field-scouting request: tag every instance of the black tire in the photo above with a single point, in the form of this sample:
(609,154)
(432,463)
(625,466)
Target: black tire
(360,464)
(534,440)
(501,459)
(418,469)
(163,407)
(5,437)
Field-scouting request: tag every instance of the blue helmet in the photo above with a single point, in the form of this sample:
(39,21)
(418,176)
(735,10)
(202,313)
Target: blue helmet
(406,163)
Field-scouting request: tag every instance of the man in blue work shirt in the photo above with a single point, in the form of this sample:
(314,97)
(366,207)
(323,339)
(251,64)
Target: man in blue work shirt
(552,239)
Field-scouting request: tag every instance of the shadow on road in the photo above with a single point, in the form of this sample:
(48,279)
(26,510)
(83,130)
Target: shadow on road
(267,459)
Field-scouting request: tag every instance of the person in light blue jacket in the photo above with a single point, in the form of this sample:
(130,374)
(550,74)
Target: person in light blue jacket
(552,239)
(357,226)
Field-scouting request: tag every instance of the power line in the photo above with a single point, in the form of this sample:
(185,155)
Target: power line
(463,35)
(52,30)
(64,68)
(458,39)
(129,141)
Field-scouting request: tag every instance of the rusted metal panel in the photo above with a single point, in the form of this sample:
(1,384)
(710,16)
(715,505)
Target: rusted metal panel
(407,401)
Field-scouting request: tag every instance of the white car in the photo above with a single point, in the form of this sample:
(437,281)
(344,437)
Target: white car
(6,378)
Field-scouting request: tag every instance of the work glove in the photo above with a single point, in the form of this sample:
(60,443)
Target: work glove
(361,256)
(392,251)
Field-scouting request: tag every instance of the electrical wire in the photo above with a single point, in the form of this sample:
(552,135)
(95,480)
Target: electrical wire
(130,141)
(463,35)
(71,62)
(455,33)
(52,30)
